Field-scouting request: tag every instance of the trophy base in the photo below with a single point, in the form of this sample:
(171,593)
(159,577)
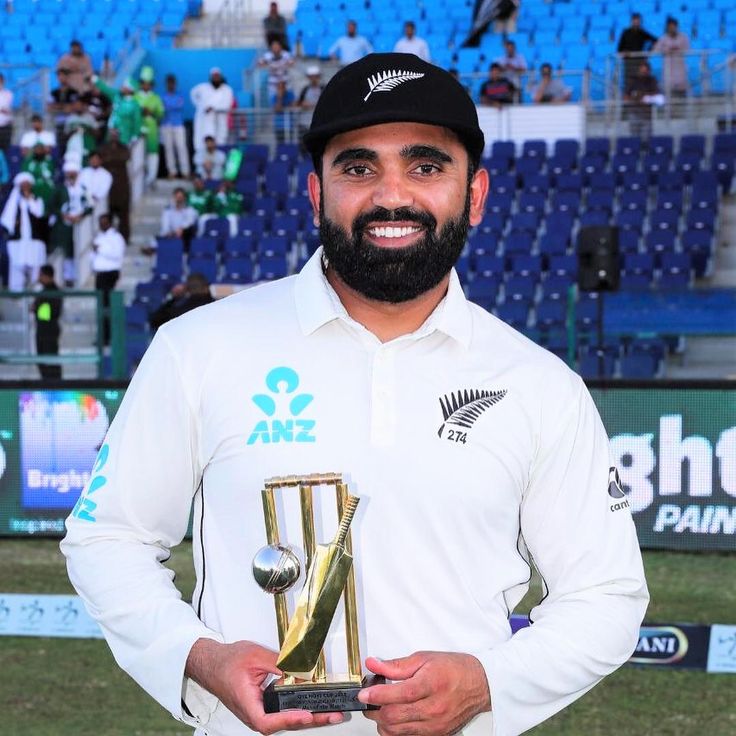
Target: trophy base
(319,697)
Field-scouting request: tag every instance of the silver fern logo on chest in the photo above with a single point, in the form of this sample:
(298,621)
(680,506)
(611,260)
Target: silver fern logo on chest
(388,80)
(461,410)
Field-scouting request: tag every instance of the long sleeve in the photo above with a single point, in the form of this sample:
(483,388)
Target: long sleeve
(586,550)
(134,509)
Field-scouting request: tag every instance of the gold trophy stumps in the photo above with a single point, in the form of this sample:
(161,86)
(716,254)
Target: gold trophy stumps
(305,684)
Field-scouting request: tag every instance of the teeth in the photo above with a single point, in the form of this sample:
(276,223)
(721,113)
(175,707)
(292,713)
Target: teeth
(393,232)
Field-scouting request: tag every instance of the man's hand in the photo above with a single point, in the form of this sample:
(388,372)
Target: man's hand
(234,674)
(437,693)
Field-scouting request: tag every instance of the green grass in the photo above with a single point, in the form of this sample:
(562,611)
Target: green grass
(50,687)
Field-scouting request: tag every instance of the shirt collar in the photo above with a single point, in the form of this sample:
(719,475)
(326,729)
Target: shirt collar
(317,304)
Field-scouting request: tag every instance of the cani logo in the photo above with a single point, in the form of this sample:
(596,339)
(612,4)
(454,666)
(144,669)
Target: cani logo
(660,645)
(282,382)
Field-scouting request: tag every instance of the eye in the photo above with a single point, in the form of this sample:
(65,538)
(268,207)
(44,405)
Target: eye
(358,170)
(426,169)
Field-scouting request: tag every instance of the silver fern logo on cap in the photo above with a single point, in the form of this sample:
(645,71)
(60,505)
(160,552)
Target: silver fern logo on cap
(386,81)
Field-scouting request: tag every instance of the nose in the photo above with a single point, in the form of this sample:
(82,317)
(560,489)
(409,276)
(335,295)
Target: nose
(392,190)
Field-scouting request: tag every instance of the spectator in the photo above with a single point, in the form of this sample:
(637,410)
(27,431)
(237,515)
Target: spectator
(21,218)
(673,44)
(173,132)
(35,136)
(550,89)
(209,162)
(308,98)
(202,201)
(195,292)
(497,90)
(351,46)
(410,43)
(274,27)
(229,203)
(213,101)
(60,105)
(152,111)
(99,107)
(641,96)
(69,206)
(126,115)
(41,167)
(6,115)
(634,42)
(513,64)
(108,253)
(78,66)
(115,157)
(278,62)
(80,133)
(97,181)
(179,219)
(282,118)
(47,312)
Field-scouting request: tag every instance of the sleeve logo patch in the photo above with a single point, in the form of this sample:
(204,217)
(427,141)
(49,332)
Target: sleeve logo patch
(615,490)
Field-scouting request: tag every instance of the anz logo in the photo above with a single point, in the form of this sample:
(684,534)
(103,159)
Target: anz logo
(289,425)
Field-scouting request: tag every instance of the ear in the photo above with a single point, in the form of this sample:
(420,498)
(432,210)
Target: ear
(478,195)
(314,188)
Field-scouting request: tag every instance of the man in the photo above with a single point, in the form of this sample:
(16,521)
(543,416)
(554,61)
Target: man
(47,312)
(229,203)
(193,293)
(22,219)
(179,219)
(410,43)
(152,111)
(37,136)
(550,89)
(213,101)
(513,65)
(497,90)
(350,47)
(673,45)
(274,27)
(126,116)
(173,132)
(78,66)
(115,157)
(308,97)
(641,96)
(70,204)
(634,41)
(108,253)
(209,162)
(80,133)
(6,115)
(397,186)
(277,61)
(98,182)
(200,198)
(60,104)
(40,166)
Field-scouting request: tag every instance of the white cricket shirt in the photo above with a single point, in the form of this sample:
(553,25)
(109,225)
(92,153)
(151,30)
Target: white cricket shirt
(470,447)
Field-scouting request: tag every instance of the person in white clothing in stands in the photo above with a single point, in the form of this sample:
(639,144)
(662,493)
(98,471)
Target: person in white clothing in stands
(35,136)
(213,101)
(351,46)
(410,43)
(21,218)
(474,452)
(108,254)
(97,181)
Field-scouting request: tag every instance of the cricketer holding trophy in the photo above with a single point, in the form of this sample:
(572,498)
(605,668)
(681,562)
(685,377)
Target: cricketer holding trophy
(421,453)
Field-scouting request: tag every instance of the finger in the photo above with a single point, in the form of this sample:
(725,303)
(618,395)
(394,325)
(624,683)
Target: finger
(401,668)
(292,720)
(407,691)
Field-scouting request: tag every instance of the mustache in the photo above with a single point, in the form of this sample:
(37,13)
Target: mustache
(381,214)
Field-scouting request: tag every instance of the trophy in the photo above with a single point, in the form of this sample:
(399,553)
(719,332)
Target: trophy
(305,684)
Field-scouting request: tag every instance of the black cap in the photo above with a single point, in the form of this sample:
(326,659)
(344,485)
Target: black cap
(393,88)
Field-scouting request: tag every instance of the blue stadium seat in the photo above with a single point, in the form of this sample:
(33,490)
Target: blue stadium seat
(676,270)
(489,266)
(595,218)
(514,313)
(532,202)
(661,145)
(503,184)
(638,366)
(692,145)
(493,222)
(238,247)
(206,266)
(569,182)
(566,202)
(671,200)
(518,241)
(238,270)
(534,149)
(660,241)
(628,241)
(553,244)
(204,247)
(628,146)
(519,288)
(551,314)
(590,365)
(563,266)
(525,265)
(217,228)
(536,183)
(274,245)
(272,267)
(633,199)
(503,149)
(667,219)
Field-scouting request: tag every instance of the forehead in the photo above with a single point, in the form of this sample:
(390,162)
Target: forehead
(389,139)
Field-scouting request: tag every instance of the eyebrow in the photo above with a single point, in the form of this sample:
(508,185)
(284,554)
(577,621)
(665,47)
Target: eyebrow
(409,153)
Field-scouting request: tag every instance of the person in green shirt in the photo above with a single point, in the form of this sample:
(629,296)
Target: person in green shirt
(229,203)
(126,116)
(202,200)
(152,109)
(40,166)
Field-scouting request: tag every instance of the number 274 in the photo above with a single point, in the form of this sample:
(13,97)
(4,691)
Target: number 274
(456,436)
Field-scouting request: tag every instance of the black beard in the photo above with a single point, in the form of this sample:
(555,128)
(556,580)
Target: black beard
(394,275)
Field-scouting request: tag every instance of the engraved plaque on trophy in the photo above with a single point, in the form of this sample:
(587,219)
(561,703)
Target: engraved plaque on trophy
(306,685)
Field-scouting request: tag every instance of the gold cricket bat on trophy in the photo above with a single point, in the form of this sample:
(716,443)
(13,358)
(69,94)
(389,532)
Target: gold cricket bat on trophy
(318,601)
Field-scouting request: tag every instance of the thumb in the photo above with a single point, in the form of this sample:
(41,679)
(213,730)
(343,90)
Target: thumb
(401,668)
